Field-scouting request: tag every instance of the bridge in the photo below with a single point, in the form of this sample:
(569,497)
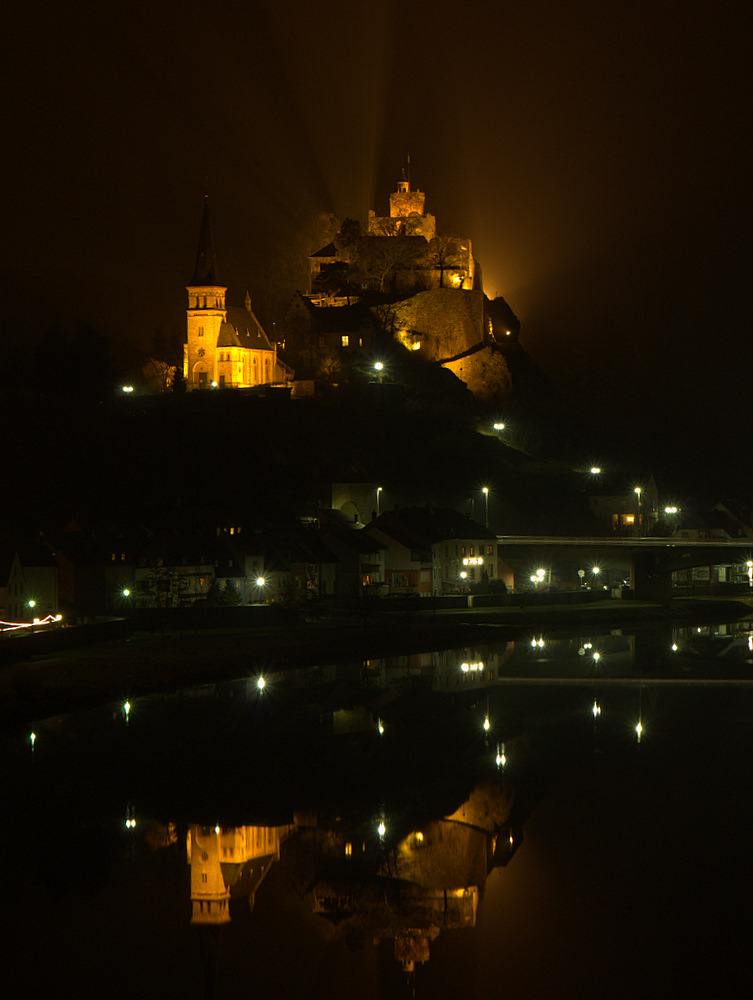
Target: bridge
(646,563)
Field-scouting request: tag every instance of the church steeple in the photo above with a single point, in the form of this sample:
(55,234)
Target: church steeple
(205,272)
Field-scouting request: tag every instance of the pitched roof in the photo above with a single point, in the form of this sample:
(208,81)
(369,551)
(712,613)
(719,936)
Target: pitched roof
(243,329)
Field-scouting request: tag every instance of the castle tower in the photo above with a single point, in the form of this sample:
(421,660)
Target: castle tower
(206,313)
(404,201)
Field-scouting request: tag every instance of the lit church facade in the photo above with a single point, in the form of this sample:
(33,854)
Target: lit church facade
(226,347)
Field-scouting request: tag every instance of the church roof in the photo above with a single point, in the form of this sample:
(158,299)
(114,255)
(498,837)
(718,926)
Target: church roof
(205,272)
(243,329)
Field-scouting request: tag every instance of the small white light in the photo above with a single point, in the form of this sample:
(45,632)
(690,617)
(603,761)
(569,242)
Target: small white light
(596,655)
(381,829)
(127,708)
(261,683)
(487,724)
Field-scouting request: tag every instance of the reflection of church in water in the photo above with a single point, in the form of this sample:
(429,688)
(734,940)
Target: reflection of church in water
(228,861)
(428,881)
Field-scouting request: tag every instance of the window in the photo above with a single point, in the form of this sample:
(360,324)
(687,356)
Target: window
(345,340)
(490,550)
(201,331)
(473,550)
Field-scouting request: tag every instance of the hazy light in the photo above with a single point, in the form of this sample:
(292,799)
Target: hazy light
(670,510)
(126,592)
(596,570)
(378,366)
(32,604)
(487,724)
(639,731)
(260,581)
(674,647)
(261,683)
(127,388)
(485,489)
(33,738)
(381,829)
(380,727)
(596,709)
(595,470)
(597,656)
(127,708)
(499,427)
(217,830)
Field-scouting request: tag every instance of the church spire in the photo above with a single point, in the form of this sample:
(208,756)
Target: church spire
(205,272)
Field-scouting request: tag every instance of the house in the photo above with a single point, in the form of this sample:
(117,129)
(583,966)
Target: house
(434,550)
(13,597)
(627,508)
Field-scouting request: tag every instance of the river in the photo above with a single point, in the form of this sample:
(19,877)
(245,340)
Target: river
(563,817)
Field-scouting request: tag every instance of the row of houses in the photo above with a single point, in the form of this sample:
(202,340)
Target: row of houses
(103,568)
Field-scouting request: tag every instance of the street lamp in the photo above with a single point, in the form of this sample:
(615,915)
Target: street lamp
(378,491)
(595,470)
(499,427)
(485,491)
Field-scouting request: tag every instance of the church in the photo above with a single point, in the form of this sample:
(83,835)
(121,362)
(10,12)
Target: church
(226,346)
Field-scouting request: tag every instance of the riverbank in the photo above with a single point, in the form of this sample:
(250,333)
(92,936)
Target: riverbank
(148,662)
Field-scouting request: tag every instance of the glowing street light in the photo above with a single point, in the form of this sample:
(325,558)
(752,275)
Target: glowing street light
(500,760)
(127,388)
(378,492)
(596,709)
(639,731)
(126,592)
(485,491)
(380,727)
(487,724)
(499,427)
(261,684)
(381,829)
(595,470)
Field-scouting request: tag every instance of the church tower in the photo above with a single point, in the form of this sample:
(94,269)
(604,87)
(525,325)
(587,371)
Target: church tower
(206,313)
(210,897)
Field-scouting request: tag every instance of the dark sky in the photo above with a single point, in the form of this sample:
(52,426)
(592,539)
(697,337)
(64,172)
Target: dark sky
(597,154)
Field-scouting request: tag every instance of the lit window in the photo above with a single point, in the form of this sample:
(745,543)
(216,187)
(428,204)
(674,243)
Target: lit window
(345,340)
(348,848)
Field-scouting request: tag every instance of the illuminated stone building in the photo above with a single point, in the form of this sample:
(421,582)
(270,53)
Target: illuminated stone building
(400,253)
(225,346)
(228,861)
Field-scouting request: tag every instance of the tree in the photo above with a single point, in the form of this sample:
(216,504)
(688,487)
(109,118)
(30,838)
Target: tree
(179,382)
(230,595)
(382,257)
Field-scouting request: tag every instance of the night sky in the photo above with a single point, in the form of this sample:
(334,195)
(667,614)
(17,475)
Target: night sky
(598,156)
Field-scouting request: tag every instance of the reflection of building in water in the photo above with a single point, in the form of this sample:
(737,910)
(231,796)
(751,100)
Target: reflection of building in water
(228,861)
(431,881)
